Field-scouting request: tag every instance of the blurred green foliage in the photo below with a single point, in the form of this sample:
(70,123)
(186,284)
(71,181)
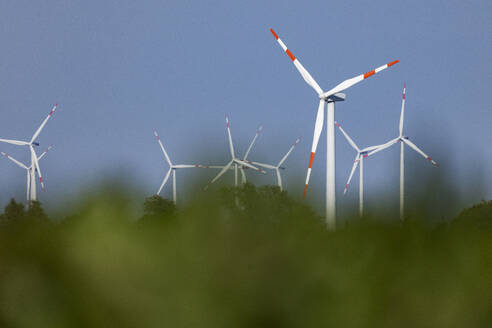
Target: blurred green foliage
(240,257)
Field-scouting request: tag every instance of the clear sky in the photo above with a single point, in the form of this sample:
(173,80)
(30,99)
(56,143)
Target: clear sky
(121,68)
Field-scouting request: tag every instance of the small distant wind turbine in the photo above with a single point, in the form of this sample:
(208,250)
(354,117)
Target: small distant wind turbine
(173,168)
(359,158)
(328,97)
(279,167)
(258,131)
(234,161)
(31,174)
(403,140)
(31,144)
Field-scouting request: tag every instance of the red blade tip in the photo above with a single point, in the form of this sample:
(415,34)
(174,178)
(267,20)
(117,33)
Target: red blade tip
(274,34)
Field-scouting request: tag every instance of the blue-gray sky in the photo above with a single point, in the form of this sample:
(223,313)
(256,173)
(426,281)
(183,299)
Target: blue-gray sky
(121,68)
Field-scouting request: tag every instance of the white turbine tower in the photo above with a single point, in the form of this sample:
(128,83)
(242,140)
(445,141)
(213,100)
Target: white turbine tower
(238,163)
(173,168)
(31,144)
(403,140)
(279,167)
(328,97)
(31,174)
(359,158)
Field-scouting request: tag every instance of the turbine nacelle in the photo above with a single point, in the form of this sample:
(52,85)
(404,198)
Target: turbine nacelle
(35,143)
(334,98)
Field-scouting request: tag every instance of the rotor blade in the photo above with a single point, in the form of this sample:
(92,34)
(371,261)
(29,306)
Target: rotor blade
(164,181)
(221,173)
(162,147)
(368,149)
(318,127)
(288,153)
(279,178)
(383,147)
(267,166)
(38,131)
(36,165)
(350,141)
(356,162)
(15,161)
(243,175)
(240,162)
(44,152)
(304,73)
(186,166)
(402,110)
(350,82)
(417,149)
(15,142)
(231,146)
(253,142)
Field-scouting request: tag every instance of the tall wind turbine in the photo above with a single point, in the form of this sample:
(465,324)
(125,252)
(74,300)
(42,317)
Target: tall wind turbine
(359,158)
(238,163)
(173,168)
(328,97)
(31,174)
(31,144)
(279,167)
(403,140)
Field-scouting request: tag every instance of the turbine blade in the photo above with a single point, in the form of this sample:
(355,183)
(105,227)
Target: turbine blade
(243,175)
(253,141)
(15,142)
(231,146)
(350,82)
(304,73)
(368,149)
(15,161)
(279,178)
(350,141)
(36,165)
(267,166)
(221,173)
(288,153)
(354,166)
(417,149)
(318,127)
(164,181)
(402,110)
(38,131)
(243,163)
(186,166)
(45,152)
(383,147)
(162,147)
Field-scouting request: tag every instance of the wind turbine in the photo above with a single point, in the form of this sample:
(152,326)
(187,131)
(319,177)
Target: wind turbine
(234,161)
(328,97)
(359,158)
(173,168)
(279,167)
(258,131)
(403,140)
(31,174)
(31,144)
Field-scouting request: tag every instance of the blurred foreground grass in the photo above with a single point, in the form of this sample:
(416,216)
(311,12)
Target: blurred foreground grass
(266,262)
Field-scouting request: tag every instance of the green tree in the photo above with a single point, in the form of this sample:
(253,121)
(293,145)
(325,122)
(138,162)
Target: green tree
(14,211)
(479,215)
(36,212)
(158,208)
